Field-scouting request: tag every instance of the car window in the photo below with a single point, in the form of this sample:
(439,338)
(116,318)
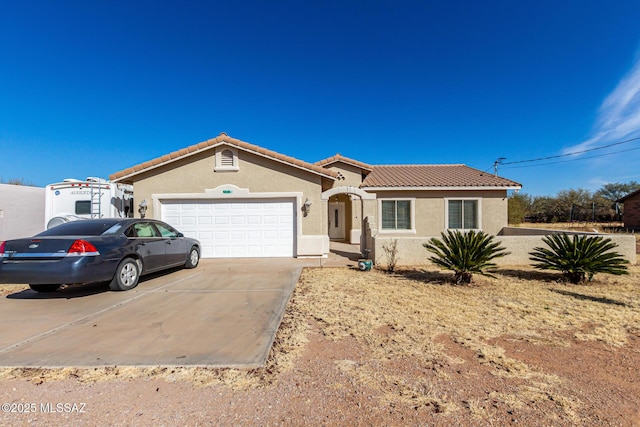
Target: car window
(80,228)
(166,230)
(145,229)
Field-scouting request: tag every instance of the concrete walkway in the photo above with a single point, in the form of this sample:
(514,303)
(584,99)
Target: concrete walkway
(225,313)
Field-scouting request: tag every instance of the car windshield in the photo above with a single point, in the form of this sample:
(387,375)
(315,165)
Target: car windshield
(80,228)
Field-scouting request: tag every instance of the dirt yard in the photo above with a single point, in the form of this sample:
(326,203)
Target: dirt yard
(370,348)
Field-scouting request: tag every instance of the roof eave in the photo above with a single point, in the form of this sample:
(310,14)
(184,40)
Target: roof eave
(329,175)
(442,188)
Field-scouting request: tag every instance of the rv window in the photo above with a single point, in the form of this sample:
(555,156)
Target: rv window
(83,207)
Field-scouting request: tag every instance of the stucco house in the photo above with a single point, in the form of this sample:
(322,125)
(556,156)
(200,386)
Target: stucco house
(242,200)
(631,217)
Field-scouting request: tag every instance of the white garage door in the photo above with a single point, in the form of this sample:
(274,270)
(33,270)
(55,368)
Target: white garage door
(238,229)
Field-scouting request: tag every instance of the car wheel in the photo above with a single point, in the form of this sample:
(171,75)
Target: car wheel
(44,288)
(194,258)
(127,275)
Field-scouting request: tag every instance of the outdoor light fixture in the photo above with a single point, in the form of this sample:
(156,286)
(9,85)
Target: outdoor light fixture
(142,208)
(306,207)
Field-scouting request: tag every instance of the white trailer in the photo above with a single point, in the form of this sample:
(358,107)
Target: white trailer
(73,199)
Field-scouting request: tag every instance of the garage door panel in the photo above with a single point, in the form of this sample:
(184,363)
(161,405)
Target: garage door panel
(235,229)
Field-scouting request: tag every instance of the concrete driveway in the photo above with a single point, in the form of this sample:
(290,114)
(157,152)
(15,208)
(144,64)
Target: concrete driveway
(224,314)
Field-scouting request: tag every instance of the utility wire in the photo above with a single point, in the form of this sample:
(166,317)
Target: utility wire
(574,153)
(566,161)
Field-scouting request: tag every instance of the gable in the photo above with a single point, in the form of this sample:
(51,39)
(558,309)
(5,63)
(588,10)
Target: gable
(209,148)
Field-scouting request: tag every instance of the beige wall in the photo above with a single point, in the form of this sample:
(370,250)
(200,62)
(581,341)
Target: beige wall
(430,209)
(258,174)
(352,174)
(411,251)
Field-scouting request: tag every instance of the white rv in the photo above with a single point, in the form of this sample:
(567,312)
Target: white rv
(73,199)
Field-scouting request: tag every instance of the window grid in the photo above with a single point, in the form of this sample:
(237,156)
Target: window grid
(396,215)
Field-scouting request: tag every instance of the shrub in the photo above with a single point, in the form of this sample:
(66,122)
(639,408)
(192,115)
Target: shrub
(578,257)
(390,249)
(465,253)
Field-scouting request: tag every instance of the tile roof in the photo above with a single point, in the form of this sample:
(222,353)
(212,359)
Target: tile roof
(223,138)
(437,176)
(340,158)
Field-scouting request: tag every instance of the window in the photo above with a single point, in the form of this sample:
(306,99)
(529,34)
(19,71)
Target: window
(144,229)
(83,207)
(463,214)
(396,214)
(166,231)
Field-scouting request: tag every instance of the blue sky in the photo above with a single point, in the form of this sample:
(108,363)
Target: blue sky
(92,87)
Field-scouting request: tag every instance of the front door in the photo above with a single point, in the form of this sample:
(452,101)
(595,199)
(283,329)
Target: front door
(336,221)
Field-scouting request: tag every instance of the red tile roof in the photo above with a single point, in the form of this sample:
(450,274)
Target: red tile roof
(437,176)
(340,158)
(223,138)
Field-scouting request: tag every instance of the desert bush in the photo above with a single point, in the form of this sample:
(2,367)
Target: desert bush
(390,249)
(465,253)
(578,257)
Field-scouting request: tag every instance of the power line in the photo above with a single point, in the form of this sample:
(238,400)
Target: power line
(572,160)
(574,153)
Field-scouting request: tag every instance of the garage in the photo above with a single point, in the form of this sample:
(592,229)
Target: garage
(236,229)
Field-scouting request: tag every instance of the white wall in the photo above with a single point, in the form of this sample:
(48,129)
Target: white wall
(21,211)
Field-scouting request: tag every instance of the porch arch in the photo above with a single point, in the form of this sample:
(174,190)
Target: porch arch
(347,189)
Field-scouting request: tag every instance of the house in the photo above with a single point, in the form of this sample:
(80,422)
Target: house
(21,211)
(242,200)
(631,216)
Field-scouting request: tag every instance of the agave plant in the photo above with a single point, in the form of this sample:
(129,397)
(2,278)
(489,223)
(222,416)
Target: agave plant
(578,257)
(465,253)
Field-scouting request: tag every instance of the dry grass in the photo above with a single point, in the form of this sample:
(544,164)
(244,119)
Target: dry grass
(402,316)
(415,307)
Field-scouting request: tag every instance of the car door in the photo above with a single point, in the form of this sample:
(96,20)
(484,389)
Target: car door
(150,246)
(175,244)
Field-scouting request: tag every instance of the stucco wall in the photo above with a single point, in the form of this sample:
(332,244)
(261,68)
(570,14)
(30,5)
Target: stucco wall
(411,251)
(352,175)
(21,211)
(258,174)
(430,209)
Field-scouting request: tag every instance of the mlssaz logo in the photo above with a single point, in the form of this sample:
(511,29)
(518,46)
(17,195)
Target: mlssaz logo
(34,245)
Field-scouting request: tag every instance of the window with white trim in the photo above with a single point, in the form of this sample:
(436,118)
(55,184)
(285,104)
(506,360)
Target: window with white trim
(463,214)
(396,214)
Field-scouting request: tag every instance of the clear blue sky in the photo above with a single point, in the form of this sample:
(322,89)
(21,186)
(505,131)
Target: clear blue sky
(92,87)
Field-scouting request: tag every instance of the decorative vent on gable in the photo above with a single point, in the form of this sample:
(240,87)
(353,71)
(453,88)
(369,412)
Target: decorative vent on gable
(226,158)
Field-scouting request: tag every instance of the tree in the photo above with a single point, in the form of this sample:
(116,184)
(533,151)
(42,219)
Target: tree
(465,253)
(16,181)
(578,257)
(519,207)
(615,191)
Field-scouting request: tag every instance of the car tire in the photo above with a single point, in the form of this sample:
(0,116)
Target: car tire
(193,259)
(44,288)
(127,275)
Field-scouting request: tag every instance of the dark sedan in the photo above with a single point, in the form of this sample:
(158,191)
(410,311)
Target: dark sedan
(115,250)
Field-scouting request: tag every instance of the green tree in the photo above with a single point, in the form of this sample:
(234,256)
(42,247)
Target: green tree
(519,205)
(578,257)
(615,191)
(465,253)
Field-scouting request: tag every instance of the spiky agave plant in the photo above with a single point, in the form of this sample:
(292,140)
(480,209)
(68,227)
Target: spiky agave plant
(465,253)
(578,257)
